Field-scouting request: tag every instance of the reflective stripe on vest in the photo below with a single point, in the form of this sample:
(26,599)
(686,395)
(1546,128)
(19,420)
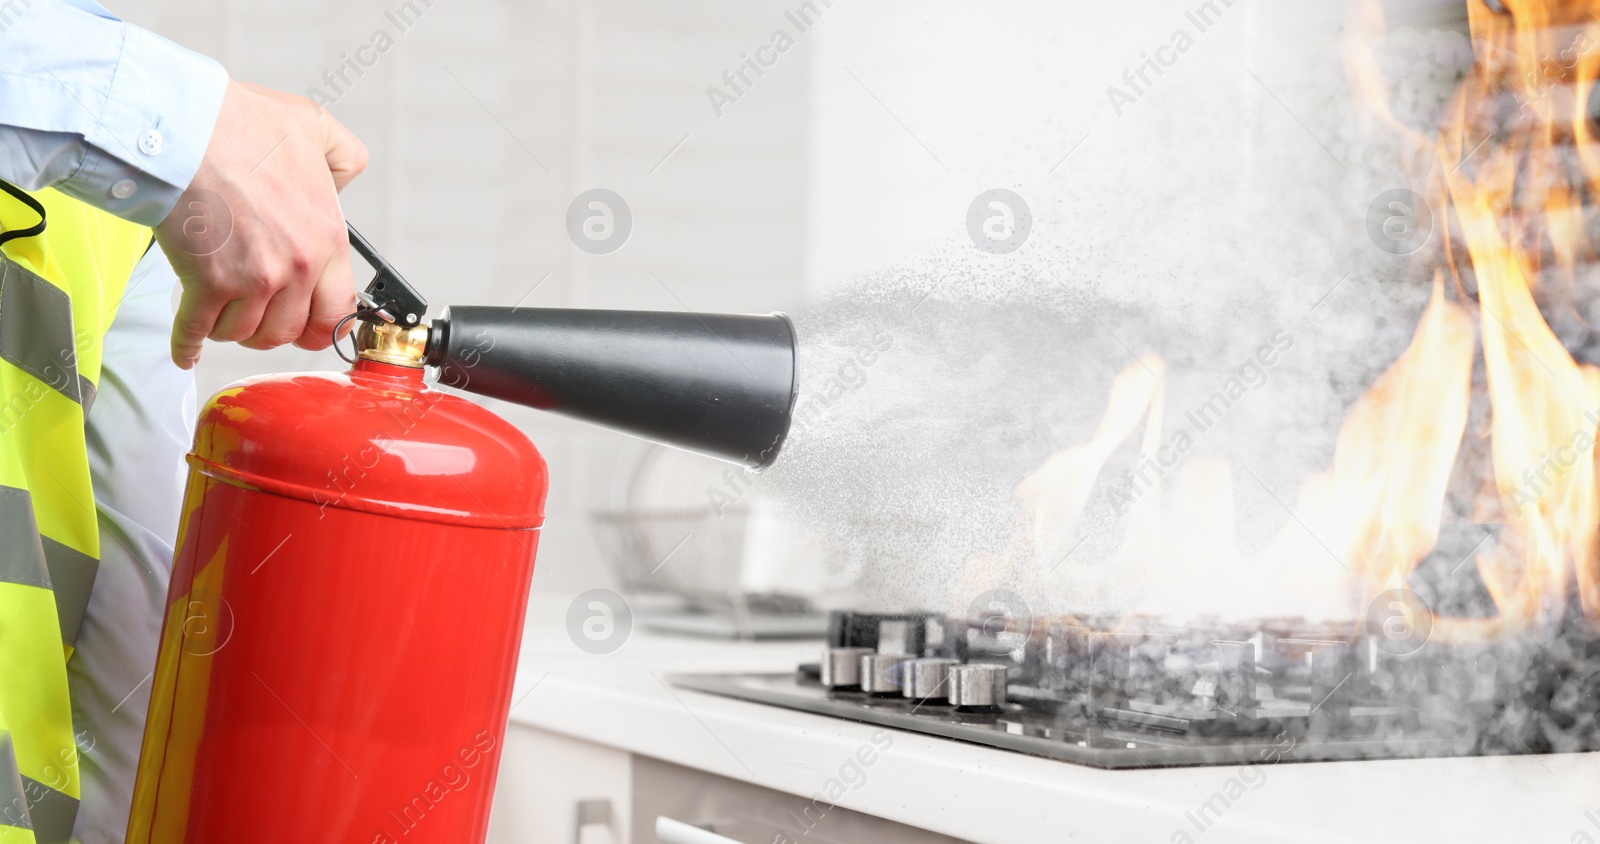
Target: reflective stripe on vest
(34,560)
(14,822)
(59,290)
(36,333)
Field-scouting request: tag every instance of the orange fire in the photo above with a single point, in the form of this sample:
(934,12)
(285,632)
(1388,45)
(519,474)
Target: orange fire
(1520,214)
(1507,188)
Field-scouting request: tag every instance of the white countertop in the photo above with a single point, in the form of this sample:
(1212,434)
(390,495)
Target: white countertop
(987,795)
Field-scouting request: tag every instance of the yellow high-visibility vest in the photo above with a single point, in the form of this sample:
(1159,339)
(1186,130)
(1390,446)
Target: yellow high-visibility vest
(59,290)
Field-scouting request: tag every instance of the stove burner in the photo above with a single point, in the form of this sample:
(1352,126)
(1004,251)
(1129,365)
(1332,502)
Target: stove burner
(1118,696)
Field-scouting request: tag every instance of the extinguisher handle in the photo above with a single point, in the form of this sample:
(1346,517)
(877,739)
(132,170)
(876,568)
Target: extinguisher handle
(388,295)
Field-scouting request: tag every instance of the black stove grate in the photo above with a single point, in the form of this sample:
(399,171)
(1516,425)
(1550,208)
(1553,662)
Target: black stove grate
(1118,696)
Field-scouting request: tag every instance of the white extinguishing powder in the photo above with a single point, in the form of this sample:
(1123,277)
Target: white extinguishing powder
(1213,220)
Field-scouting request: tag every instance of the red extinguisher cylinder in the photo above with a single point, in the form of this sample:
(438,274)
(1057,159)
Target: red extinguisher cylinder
(346,608)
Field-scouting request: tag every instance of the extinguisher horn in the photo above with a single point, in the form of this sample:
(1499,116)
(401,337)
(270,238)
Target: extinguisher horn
(723,385)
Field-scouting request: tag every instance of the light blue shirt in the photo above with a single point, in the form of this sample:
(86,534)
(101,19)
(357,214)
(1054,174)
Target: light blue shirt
(101,110)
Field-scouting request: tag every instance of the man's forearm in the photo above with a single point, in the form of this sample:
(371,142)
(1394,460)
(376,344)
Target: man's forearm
(105,112)
(130,123)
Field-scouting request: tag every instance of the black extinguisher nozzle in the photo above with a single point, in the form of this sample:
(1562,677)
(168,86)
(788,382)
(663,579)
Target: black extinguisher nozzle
(723,385)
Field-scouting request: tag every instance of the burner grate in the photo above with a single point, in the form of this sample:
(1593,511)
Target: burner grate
(1118,695)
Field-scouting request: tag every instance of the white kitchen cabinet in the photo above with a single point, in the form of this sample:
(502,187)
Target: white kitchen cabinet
(557,790)
(741,813)
(549,783)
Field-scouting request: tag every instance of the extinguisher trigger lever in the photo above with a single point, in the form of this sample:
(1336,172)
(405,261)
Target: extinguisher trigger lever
(388,296)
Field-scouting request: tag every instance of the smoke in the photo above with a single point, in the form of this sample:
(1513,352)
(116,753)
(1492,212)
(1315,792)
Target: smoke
(1226,210)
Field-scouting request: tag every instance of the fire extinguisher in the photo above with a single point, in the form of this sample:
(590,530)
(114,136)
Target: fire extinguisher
(355,551)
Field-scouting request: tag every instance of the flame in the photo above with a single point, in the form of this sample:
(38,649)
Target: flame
(1054,497)
(1514,182)
(1395,451)
(1520,215)
(1373,515)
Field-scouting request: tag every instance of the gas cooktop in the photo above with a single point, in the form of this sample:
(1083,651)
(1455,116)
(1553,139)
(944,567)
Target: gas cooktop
(1132,695)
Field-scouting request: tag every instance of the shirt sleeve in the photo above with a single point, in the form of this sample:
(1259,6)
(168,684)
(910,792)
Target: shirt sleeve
(102,110)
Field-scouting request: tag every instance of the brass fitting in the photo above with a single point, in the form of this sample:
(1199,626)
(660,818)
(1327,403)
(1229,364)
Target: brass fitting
(391,343)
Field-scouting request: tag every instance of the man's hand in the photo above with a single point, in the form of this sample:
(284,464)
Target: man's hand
(258,239)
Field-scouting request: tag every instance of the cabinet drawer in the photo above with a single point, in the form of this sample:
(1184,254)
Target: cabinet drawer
(749,814)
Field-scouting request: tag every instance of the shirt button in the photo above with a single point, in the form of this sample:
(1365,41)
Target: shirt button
(123,189)
(150,142)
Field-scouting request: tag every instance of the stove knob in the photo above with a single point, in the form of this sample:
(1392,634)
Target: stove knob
(881,673)
(978,685)
(841,667)
(927,679)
